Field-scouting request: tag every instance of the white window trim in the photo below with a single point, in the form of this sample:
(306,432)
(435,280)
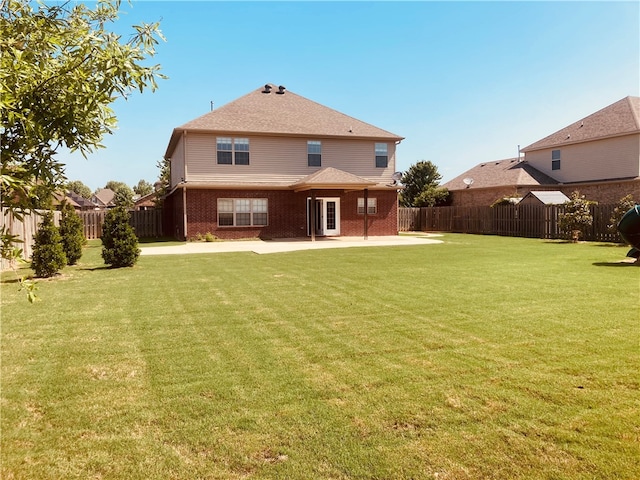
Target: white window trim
(233,142)
(251,212)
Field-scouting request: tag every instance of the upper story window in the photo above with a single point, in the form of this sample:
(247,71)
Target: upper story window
(314,153)
(241,151)
(555,159)
(382,155)
(232,150)
(225,151)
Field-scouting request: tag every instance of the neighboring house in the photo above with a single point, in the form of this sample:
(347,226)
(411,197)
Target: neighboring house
(550,197)
(598,155)
(104,199)
(490,181)
(84,204)
(78,202)
(273,164)
(60,198)
(145,202)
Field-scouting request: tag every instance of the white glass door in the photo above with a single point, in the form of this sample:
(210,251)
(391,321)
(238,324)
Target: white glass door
(327,216)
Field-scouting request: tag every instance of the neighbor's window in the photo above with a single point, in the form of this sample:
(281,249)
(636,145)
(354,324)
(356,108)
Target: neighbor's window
(242,212)
(230,151)
(225,151)
(314,153)
(372,206)
(382,155)
(555,159)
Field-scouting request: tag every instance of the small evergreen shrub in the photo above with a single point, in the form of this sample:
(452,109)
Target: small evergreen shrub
(72,232)
(119,241)
(48,256)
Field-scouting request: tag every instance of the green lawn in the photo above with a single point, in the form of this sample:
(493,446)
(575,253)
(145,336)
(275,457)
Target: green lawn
(479,358)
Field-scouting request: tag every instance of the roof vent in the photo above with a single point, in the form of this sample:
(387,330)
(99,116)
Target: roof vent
(267,88)
(281,90)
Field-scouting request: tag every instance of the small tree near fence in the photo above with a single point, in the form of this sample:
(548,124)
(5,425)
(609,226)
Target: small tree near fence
(623,206)
(72,232)
(48,256)
(576,217)
(119,241)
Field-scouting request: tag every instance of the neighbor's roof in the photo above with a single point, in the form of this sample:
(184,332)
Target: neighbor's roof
(104,196)
(619,118)
(284,114)
(551,197)
(330,177)
(509,172)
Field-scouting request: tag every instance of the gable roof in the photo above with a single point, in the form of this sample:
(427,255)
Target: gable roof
(104,196)
(619,118)
(283,114)
(551,197)
(80,200)
(509,172)
(330,177)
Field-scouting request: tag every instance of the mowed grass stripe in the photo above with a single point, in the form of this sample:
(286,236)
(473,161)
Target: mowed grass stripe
(484,357)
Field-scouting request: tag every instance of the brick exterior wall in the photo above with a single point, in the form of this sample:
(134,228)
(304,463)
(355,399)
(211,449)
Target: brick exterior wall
(605,193)
(287,213)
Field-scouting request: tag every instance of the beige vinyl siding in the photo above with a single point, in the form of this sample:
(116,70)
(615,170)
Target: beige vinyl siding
(605,159)
(283,160)
(177,163)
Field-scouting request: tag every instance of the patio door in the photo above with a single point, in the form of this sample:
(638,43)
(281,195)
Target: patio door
(327,216)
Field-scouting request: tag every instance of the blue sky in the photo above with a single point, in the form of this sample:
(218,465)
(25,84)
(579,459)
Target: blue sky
(463,82)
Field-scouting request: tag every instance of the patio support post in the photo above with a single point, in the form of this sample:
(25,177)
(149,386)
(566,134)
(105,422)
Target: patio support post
(366,213)
(184,212)
(312,215)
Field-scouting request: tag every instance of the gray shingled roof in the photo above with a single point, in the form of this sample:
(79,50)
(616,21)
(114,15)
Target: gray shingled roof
(288,114)
(551,197)
(509,172)
(619,118)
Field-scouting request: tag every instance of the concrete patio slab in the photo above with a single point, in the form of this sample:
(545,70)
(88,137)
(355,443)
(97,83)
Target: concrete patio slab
(290,245)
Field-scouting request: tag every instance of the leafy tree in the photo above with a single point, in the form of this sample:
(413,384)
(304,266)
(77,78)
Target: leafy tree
(119,241)
(421,186)
(576,217)
(123,196)
(115,185)
(164,180)
(48,256)
(72,233)
(143,188)
(60,70)
(76,186)
(623,206)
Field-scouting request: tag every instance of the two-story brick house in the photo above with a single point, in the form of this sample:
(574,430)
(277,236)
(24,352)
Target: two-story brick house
(598,155)
(273,164)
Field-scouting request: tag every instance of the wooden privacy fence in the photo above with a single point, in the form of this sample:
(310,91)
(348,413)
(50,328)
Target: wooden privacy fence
(533,221)
(146,223)
(25,229)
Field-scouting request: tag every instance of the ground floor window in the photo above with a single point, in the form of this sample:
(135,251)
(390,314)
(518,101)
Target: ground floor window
(242,212)
(372,206)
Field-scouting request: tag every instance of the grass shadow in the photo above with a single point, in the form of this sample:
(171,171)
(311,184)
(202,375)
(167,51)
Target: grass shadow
(621,263)
(144,240)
